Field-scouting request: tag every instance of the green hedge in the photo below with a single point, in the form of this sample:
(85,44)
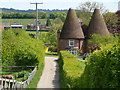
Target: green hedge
(19,49)
(70,70)
(100,70)
(103,68)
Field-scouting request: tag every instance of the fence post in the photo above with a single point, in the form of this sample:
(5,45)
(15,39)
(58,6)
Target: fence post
(9,83)
(1,86)
(5,83)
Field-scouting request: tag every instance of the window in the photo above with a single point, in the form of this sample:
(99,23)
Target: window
(71,42)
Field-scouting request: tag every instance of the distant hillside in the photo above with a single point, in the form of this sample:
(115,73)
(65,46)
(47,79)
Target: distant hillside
(30,10)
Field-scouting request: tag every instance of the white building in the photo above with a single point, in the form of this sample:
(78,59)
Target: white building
(17,26)
(119,5)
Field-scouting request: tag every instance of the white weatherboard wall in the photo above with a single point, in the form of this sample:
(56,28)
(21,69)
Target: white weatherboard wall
(119,5)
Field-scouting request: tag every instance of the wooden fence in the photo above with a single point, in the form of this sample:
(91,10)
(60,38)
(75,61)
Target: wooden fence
(11,83)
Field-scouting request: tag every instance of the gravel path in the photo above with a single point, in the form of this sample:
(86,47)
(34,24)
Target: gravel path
(50,75)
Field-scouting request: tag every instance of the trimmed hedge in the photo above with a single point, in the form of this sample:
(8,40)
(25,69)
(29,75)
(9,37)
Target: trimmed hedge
(70,70)
(102,68)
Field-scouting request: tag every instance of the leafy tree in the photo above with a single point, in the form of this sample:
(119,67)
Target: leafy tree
(102,40)
(48,22)
(19,49)
(111,20)
(42,15)
(90,6)
(17,15)
(57,24)
(61,15)
(85,16)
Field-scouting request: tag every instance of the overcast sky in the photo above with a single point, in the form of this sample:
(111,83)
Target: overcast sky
(111,5)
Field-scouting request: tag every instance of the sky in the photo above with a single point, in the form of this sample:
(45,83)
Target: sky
(111,5)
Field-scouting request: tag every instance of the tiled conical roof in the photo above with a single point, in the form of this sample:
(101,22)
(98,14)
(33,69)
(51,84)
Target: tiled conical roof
(97,24)
(71,28)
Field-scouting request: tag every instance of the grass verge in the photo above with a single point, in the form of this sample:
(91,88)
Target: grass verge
(70,70)
(35,80)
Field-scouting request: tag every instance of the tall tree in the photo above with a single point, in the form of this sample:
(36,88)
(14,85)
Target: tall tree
(57,24)
(90,6)
(48,22)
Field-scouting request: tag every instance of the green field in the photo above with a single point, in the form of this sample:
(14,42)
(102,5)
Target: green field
(22,21)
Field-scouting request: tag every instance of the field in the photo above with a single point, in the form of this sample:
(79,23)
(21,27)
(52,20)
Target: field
(22,21)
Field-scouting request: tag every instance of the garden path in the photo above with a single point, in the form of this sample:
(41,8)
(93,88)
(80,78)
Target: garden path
(50,75)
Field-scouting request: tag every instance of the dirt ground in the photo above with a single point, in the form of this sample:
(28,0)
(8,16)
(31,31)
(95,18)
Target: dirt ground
(50,75)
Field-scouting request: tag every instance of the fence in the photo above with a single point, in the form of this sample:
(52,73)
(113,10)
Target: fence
(8,83)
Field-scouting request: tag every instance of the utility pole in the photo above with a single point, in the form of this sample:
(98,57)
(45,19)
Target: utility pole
(37,27)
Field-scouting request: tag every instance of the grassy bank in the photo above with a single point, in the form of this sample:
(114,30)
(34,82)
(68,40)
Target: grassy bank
(70,70)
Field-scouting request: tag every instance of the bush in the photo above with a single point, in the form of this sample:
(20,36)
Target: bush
(53,49)
(21,76)
(70,70)
(103,68)
(102,40)
(19,49)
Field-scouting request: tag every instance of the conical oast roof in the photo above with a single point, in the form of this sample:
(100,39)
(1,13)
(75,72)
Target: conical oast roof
(71,28)
(97,24)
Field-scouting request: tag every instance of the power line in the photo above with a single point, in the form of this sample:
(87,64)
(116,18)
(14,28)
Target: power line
(37,27)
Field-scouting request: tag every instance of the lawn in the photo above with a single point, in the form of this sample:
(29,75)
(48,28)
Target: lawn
(71,69)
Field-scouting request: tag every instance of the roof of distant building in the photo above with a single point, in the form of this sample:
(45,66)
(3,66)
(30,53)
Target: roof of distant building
(97,24)
(71,28)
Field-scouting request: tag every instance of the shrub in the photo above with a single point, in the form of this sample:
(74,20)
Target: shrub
(53,48)
(102,40)
(19,49)
(103,68)
(21,76)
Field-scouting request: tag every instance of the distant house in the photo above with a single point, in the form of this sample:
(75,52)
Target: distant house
(14,25)
(71,37)
(31,26)
(40,26)
(17,26)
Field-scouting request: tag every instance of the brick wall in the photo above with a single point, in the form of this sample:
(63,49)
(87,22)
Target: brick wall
(64,44)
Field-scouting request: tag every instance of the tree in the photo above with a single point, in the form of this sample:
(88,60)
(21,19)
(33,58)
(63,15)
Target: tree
(85,16)
(90,6)
(111,20)
(48,22)
(57,24)
(42,15)
(19,49)
(17,15)
(61,15)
